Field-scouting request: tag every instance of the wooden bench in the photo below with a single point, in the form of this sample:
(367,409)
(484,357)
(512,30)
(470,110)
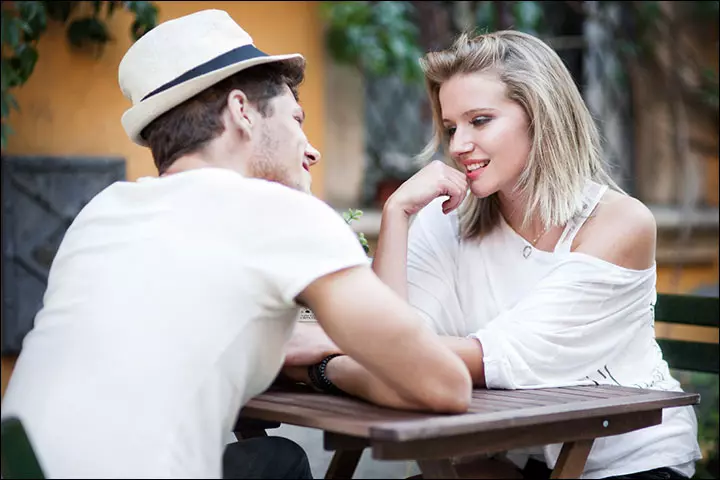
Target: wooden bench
(695,357)
(689,310)
(18,456)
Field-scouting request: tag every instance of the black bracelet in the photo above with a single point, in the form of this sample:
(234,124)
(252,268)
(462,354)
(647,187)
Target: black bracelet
(319,380)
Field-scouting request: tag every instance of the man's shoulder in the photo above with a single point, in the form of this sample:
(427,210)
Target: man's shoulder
(228,183)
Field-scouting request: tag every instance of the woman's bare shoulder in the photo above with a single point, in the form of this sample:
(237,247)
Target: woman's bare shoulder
(621,230)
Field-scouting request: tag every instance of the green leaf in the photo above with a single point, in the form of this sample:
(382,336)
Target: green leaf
(352,214)
(23,64)
(111,6)
(60,10)
(13,102)
(6,132)
(145,17)
(364,243)
(4,105)
(86,30)
(11,28)
(7,103)
(379,38)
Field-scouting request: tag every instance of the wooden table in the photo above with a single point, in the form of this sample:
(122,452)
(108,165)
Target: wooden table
(498,420)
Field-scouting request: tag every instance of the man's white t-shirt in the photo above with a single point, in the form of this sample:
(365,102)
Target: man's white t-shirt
(167,308)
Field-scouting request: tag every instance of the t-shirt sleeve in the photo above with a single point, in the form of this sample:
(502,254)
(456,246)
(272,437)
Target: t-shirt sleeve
(298,239)
(431,269)
(573,322)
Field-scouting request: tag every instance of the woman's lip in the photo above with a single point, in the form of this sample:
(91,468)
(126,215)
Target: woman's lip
(472,175)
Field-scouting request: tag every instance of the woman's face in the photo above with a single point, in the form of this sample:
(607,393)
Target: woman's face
(488,134)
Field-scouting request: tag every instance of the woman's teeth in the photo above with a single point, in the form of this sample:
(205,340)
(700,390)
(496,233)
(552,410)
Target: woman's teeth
(474,166)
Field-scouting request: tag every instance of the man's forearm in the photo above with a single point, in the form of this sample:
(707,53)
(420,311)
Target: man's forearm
(352,378)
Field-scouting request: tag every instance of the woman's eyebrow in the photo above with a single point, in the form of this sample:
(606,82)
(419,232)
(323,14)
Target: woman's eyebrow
(473,112)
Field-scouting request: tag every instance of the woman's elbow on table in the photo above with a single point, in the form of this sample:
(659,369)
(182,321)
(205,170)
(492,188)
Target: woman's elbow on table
(446,391)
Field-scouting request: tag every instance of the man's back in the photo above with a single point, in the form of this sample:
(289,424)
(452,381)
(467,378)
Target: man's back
(167,307)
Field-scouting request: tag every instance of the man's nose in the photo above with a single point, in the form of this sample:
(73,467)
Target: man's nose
(312,154)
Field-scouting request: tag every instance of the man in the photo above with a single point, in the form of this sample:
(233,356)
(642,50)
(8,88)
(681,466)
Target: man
(170,299)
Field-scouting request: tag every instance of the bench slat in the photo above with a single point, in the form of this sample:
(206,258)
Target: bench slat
(688,310)
(696,357)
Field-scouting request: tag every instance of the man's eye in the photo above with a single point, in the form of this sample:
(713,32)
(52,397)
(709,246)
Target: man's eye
(480,120)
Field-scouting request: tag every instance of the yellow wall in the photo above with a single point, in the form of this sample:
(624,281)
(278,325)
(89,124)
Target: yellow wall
(72,103)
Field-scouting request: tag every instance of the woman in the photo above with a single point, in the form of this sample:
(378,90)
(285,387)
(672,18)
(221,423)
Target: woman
(544,273)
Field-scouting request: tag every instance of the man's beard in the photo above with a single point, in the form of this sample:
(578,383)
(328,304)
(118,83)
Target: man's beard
(265,168)
(264,164)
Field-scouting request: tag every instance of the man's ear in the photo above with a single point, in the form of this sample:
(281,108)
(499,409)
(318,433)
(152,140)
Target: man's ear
(242,114)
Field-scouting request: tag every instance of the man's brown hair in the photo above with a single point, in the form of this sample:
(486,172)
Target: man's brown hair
(188,127)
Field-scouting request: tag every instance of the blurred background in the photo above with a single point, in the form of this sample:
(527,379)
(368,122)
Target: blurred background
(647,70)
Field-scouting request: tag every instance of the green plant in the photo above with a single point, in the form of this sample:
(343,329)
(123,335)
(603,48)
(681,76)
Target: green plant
(380,38)
(350,215)
(24,23)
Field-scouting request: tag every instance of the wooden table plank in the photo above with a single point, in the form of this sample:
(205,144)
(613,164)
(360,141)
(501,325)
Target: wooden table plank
(535,398)
(614,390)
(468,423)
(347,407)
(512,438)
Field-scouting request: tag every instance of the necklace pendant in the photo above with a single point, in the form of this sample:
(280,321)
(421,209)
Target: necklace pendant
(527,251)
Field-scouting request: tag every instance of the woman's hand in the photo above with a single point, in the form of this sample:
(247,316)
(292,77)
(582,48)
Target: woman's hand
(434,180)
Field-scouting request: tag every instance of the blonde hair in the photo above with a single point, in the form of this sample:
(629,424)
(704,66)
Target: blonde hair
(565,150)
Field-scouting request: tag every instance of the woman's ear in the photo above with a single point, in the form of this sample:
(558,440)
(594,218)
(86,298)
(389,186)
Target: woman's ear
(242,114)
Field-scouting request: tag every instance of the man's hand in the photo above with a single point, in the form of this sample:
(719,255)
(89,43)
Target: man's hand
(296,374)
(308,345)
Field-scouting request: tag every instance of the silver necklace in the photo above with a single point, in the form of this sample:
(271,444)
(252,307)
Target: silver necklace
(529,248)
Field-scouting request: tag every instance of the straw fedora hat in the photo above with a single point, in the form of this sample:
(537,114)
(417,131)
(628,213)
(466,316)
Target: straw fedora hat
(182,57)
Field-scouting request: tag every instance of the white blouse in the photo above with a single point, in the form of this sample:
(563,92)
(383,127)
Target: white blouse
(552,319)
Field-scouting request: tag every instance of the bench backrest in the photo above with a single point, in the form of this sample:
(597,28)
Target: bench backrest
(18,457)
(689,310)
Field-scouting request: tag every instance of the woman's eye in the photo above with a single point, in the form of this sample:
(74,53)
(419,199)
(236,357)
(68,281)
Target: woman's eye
(450,131)
(480,121)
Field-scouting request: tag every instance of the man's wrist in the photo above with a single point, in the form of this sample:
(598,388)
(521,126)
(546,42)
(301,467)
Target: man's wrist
(318,375)
(334,367)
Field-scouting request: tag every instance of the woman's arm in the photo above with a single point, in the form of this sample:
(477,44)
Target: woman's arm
(435,180)
(390,260)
